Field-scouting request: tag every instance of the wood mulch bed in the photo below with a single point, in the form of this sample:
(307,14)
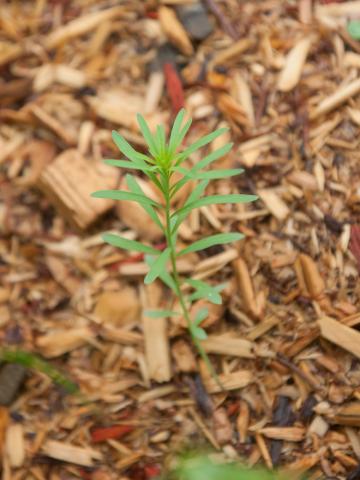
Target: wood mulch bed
(284,77)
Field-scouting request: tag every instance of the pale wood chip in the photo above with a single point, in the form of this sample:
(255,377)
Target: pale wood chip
(341,335)
(294,63)
(229,381)
(227,345)
(81,25)
(341,95)
(57,343)
(289,434)
(15,445)
(274,203)
(174,30)
(67,452)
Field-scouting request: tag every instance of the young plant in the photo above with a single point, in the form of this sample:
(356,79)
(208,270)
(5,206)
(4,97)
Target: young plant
(160,164)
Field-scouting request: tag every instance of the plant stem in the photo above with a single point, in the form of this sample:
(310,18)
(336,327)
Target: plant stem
(177,282)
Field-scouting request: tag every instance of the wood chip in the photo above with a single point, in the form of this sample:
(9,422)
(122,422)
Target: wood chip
(174,30)
(229,381)
(67,452)
(341,335)
(15,445)
(294,63)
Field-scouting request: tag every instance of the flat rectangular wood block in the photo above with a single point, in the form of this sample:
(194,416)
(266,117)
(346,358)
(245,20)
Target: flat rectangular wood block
(69,182)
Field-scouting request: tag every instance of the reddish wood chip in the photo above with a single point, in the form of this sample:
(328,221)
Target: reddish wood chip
(174,87)
(106,433)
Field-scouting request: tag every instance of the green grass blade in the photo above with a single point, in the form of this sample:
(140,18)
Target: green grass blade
(32,361)
(124,195)
(132,245)
(134,187)
(215,200)
(218,239)
(158,266)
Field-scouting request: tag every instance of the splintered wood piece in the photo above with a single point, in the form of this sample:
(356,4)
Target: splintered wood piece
(229,381)
(9,52)
(174,30)
(4,421)
(226,345)
(263,327)
(50,122)
(232,53)
(81,25)
(246,290)
(184,357)
(348,414)
(118,307)
(157,349)
(223,431)
(309,277)
(66,452)
(15,445)
(294,63)
(69,181)
(341,95)
(243,420)
(341,335)
(57,343)
(244,96)
(289,434)
(274,203)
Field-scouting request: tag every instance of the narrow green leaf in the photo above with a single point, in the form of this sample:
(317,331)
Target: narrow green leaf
(216,200)
(129,165)
(124,195)
(158,266)
(194,195)
(127,149)
(132,245)
(164,276)
(215,155)
(160,313)
(202,142)
(353,28)
(218,239)
(175,131)
(150,140)
(205,291)
(199,333)
(216,174)
(134,187)
(200,316)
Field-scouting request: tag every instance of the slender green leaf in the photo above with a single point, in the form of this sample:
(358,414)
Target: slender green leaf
(129,165)
(205,291)
(124,195)
(199,333)
(127,149)
(164,276)
(215,155)
(216,174)
(160,313)
(132,245)
(200,316)
(216,200)
(150,140)
(218,239)
(158,266)
(135,188)
(202,142)
(353,28)
(175,131)
(194,196)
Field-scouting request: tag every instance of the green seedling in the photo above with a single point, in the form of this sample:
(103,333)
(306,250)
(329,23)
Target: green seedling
(164,160)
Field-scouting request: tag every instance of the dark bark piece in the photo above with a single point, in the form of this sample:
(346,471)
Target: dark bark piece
(195,20)
(11,379)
